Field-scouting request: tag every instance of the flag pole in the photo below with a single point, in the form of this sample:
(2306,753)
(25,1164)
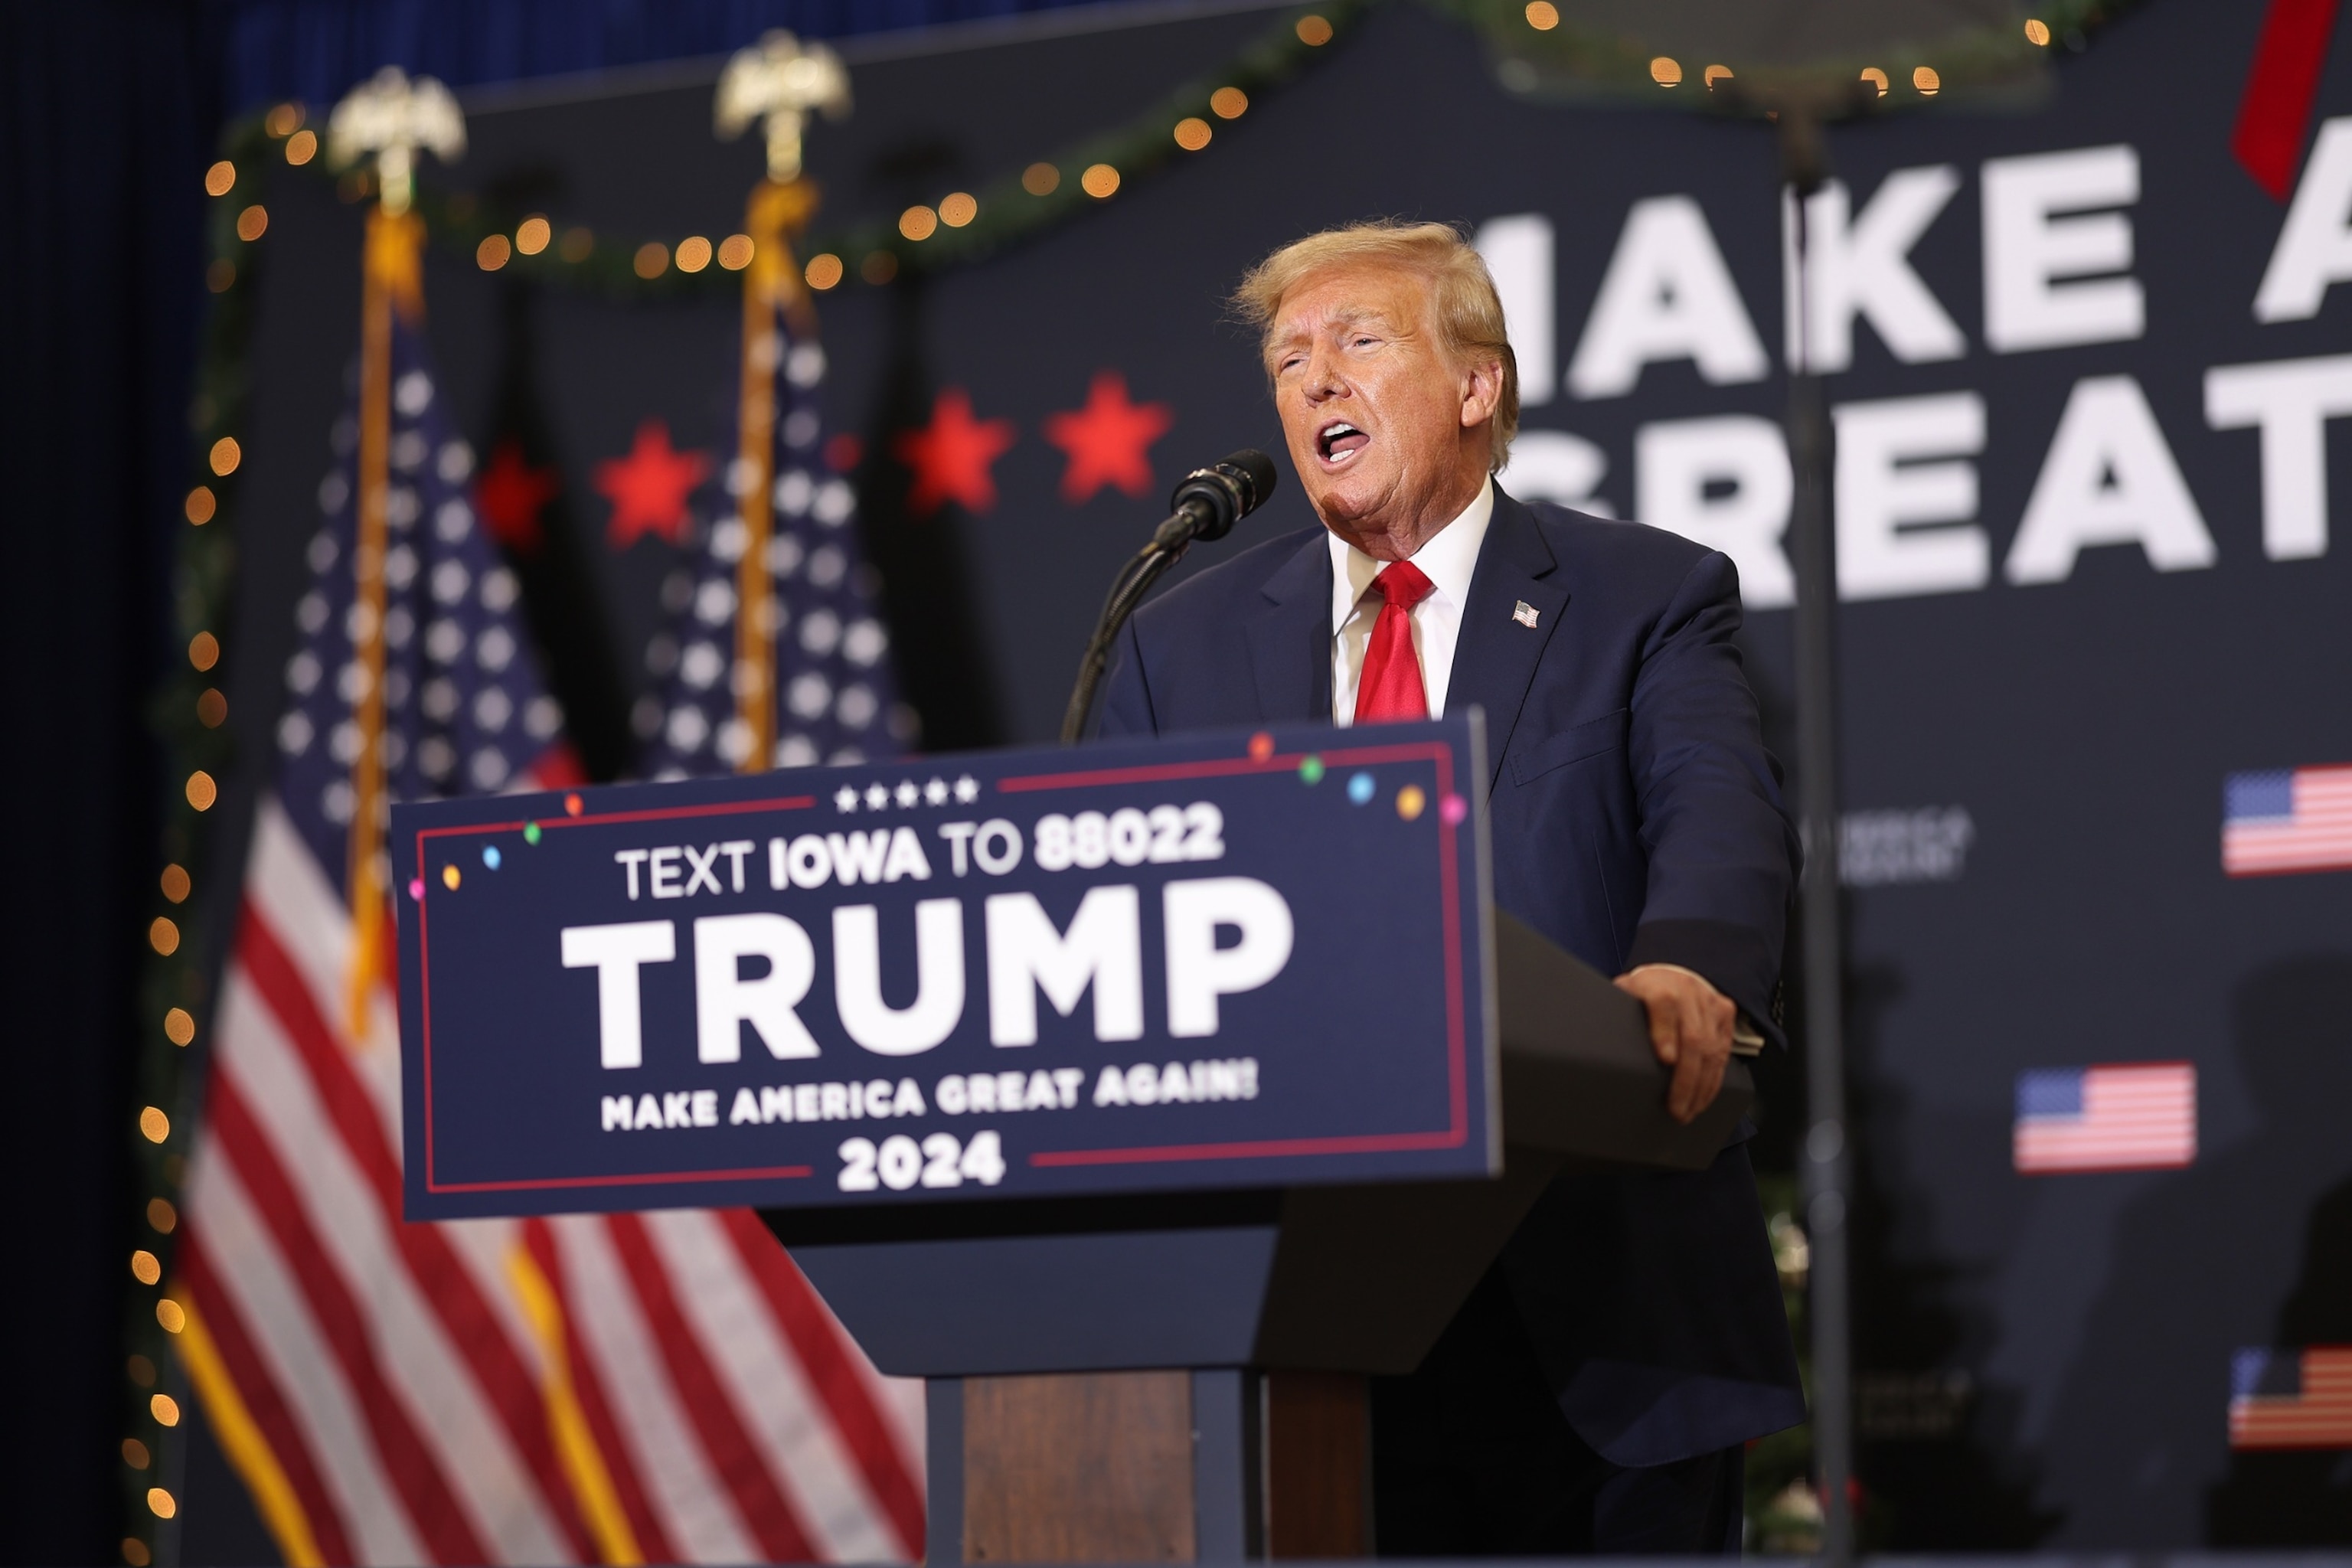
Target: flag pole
(389,235)
(776,81)
(389,119)
(772,288)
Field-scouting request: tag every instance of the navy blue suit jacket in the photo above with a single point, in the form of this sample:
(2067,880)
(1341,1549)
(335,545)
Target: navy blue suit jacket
(1636,818)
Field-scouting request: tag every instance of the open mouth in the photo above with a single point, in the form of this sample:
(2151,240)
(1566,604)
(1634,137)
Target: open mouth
(1340,441)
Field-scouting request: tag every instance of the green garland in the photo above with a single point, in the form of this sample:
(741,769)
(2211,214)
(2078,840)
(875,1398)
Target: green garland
(1566,61)
(187,717)
(1547,50)
(1009,213)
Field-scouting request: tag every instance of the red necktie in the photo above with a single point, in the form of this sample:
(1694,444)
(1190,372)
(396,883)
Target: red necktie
(1390,686)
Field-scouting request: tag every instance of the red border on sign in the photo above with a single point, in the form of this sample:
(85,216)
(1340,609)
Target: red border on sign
(648,1179)
(1453,1135)
(1457,1130)
(425,983)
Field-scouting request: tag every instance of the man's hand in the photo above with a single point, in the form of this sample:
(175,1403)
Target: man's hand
(1690,1028)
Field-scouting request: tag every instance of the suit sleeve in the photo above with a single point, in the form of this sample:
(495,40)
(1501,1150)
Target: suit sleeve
(1125,708)
(1723,854)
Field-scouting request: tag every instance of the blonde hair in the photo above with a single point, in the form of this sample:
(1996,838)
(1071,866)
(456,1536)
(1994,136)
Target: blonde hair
(1469,312)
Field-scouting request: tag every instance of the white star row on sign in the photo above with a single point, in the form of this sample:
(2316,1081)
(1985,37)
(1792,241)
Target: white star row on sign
(878,796)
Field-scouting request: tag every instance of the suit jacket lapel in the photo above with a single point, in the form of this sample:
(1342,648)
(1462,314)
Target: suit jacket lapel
(1496,657)
(1291,637)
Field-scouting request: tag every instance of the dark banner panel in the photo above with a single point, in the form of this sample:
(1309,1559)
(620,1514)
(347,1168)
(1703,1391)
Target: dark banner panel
(2090,380)
(1290,983)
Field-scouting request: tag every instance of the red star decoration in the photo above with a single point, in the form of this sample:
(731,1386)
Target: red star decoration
(648,488)
(950,456)
(509,495)
(1109,440)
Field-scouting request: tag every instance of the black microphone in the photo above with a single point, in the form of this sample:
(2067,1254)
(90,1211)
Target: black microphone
(1208,501)
(1206,504)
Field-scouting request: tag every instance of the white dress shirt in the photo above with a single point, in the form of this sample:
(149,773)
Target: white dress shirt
(1447,558)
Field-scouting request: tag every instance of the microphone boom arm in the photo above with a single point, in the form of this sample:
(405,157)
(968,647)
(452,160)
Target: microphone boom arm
(1127,591)
(1207,502)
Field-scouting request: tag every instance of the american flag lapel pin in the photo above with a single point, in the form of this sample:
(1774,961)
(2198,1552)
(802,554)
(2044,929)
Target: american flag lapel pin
(1525,614)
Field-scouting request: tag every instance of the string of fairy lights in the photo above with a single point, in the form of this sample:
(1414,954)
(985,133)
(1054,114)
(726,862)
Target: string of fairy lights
(191,711)
(1544,46)
(1541,46)
(190,717)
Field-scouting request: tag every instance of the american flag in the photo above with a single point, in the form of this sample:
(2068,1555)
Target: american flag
(2294,820)
(2291,1399)
(2128,1116)
(834,699)
(662,1388)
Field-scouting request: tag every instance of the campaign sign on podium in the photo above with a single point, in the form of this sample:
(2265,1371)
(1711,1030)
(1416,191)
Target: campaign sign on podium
(1240,960)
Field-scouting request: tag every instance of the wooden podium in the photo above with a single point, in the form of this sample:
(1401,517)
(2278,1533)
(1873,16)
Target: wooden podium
(1181,1377)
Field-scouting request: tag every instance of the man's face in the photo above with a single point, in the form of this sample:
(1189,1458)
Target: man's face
(1379,419)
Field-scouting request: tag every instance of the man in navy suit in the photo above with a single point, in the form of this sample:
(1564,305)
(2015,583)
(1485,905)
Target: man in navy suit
(1596,1392)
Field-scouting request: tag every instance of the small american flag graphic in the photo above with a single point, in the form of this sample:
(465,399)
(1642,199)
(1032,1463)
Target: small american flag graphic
(2128,1116)
(2290,820)
(2291,1399)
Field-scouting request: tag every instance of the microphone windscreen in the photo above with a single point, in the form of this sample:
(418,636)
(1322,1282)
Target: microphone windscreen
(1260,470)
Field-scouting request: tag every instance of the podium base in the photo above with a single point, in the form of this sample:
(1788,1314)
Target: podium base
(1222,1465)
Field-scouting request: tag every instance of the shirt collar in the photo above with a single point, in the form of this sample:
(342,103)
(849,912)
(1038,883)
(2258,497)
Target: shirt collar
(1447,558)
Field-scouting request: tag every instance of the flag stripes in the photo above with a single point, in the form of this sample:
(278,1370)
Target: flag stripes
(599,1471)
(2317,1414)
(731,1315)
(716,1424)
(250,1417)
(417,1476)
(2280,822)
(358,1170)
(413,1365)
(651,1414)
(842,1379)
(258,1284)
(2132,1116)
(659,1387)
